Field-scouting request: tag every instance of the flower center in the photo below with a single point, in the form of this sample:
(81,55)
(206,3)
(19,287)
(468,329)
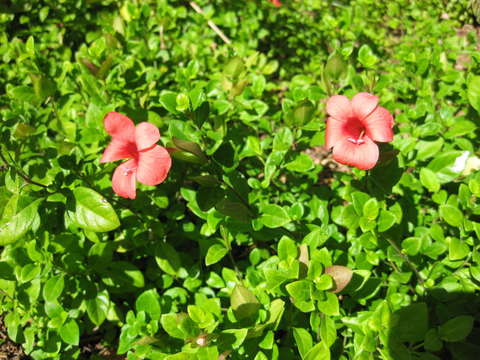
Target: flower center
(128,171)
(359,140)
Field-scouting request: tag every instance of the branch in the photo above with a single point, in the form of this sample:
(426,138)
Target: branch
(22,175)
(210,23)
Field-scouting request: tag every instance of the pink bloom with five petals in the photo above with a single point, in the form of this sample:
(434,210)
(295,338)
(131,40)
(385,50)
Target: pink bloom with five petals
(277,3)
(149,163)
(354,126)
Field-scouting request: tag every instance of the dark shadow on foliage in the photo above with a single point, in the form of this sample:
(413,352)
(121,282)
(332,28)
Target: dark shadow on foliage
(444,325)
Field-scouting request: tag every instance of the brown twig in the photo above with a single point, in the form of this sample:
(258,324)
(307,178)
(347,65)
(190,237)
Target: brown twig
(210,23)
(22,175)
(406,259)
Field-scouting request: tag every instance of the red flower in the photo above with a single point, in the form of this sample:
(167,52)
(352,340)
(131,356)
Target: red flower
(353,126)
(149,163)
(277,3)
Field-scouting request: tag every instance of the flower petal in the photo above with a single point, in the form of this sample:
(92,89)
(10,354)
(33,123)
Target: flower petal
(118,149)
(339,107)
(153,165)
(146,135)
(119,127)
(335,132)
(363,156)
(379,124)
(123,180)
(363,104)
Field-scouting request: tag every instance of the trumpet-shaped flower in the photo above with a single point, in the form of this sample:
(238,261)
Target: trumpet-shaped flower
(354,126)
(149,163)
(277,3)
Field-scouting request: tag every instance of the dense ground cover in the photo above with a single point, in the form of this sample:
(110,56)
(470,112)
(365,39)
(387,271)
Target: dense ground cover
(257,244)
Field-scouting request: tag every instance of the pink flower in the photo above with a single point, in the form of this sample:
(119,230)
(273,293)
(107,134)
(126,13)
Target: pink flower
(149,163)
(353,126)
(277,3)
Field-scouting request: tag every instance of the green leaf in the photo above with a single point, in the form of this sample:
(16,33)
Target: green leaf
(412,245)
(456,329)
(197,97)
(168,99)
(328,331)
(366,57)
(428,149)
(318,352)
(148,301)
(359,200)
(191,148)
(23,93)
(232,338)
(448,165)
(457,249)
(283,140)
(432,341)
(234,209)
(452,215)
(429,180)
(403,319)
(42,86)
(167,258)
(6,271)
(274,216)
(179,326)
(215,253)
(93,212)
(330,306)
(302,163)
(53,288)
(335,66)
(324,282)
(127,338)
(386,220)
(170,325)
(70,333)
(301,114)
(123,276)
(287,248)
(14,227)
(182,102)
(29,272)
(370,209)
(243,302)
(275,278)
(277,308)
(300,291)
(97,307)
(234,67)
(304,341)
(473,92)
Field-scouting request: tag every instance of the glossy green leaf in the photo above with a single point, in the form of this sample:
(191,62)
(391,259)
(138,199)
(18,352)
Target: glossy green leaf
(429,180)
(304,341)
(215,253)
(97,307)
(53,288)
(93,212)
(274,216)
(244,303)
(452,215)
(16,225)
(148,301)
(70,333)
(456,329)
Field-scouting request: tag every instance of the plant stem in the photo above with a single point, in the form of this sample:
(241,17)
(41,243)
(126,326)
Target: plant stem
(405,258)
(22,175)
(210,23)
